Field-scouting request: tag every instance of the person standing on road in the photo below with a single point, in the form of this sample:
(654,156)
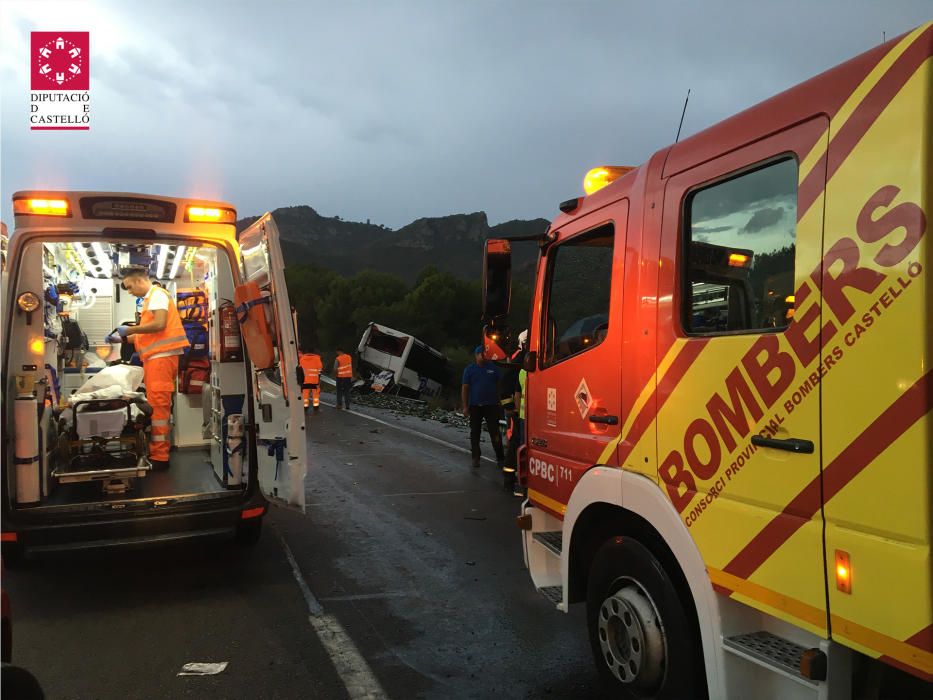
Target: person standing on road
(159,339)
(310,367)
(513,386)
(479,395)
(343,370)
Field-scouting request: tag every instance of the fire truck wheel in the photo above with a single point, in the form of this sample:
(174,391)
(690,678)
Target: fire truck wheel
(639,631)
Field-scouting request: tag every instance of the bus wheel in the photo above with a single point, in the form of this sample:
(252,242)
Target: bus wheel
(639,632)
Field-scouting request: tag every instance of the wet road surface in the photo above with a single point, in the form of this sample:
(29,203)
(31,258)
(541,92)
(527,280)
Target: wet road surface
(410,554)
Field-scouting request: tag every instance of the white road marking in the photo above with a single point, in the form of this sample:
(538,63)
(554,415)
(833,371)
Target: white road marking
(421,493)
(197,668)
(352,668)
(366,596)
(411,432)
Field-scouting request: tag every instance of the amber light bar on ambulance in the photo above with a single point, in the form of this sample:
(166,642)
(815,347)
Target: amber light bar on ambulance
(209,215)
(41,207)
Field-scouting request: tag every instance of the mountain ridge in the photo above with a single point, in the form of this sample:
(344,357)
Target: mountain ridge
(451,243)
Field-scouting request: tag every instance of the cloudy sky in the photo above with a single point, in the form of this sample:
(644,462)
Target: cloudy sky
(391,111)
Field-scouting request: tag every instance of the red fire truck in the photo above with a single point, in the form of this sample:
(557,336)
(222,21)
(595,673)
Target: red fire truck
(729,385)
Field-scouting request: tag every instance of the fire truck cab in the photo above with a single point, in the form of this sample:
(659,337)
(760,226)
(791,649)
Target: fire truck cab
(729,385)
(77,469)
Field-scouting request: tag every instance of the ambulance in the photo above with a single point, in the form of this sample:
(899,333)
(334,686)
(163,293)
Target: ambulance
(76,425)
(728,457)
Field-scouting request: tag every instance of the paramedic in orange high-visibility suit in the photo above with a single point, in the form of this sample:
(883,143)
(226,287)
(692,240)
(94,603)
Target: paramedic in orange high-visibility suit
(311,366)
(343,369)
(160,340)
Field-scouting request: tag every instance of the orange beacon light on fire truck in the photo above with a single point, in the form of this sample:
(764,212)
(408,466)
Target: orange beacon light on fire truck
(603,175)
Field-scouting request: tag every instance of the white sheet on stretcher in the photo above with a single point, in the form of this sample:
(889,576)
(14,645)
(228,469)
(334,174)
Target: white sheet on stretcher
(127,377)
(111,392)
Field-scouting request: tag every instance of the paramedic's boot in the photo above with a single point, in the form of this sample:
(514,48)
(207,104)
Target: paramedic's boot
(476,462)
(159,465)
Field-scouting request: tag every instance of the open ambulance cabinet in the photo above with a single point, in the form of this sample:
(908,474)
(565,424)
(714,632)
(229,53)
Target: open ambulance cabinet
(272,453)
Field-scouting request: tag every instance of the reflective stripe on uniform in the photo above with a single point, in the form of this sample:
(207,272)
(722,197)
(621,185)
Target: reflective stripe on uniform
(160,422)
(159,438)
(166,341)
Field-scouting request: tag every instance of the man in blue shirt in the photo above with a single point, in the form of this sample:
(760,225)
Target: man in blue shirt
(480,398)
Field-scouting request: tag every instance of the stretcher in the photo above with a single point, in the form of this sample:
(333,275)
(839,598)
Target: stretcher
(106,441)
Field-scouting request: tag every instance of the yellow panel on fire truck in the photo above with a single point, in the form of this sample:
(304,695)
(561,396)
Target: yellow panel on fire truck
(876,400)
(843,391)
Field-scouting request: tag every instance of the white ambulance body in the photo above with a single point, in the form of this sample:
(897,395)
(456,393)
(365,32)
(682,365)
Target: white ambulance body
(78,476)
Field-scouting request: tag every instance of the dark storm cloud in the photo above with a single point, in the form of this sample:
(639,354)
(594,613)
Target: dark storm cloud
(762,219)
(709,229)
(393,111)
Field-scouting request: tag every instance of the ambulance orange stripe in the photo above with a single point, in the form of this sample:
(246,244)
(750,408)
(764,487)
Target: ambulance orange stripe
(683,362)
(863,118)
(912,405)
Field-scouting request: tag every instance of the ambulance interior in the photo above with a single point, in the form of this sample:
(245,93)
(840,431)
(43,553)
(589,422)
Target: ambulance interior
(88,424)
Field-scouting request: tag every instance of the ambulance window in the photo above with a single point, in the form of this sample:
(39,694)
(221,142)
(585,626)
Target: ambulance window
(740,242)
(578,299)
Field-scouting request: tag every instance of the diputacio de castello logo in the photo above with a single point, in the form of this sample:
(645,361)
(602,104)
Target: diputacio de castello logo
(60,81)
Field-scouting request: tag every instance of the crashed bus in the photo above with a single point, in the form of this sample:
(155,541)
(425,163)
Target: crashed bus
(399,363)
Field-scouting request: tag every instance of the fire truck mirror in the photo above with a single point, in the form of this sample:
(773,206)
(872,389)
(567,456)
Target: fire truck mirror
(530,361)
(497,281)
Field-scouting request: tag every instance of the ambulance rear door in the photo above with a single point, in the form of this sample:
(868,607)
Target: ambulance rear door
(280,423)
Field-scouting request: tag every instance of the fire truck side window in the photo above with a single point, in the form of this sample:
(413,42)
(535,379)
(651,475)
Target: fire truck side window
(740,241)
(578,298)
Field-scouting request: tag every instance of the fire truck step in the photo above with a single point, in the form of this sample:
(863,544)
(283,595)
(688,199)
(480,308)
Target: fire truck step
(555,594)
(552,541)
(769,650)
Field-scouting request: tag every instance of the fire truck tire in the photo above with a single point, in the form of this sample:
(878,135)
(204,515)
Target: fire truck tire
(639,630)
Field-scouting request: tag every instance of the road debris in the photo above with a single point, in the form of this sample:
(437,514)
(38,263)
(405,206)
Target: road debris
(411,407)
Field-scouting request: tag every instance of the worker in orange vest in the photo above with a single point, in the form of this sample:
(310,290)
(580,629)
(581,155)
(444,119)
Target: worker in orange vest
(160,340)
(343,370)
(310,367)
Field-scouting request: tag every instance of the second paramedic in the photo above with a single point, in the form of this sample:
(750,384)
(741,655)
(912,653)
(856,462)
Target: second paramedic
(310,378)
(160,340)
(480,398)
(343,370)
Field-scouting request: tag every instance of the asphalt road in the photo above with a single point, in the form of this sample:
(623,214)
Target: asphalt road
(408,558)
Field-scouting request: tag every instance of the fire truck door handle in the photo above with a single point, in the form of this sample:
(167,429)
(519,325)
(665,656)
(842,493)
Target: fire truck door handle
(605,420)
(789,444)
